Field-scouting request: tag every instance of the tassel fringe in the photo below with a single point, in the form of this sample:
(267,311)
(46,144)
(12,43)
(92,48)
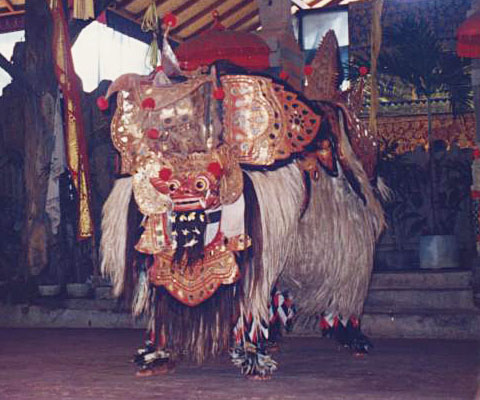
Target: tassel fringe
(114,234)
(141,300)
(253,360)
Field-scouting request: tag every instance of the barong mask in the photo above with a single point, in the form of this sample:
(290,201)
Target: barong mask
(200,181)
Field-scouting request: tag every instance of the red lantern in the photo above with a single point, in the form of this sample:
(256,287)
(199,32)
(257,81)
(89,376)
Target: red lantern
(468,37)
(216,169)
(170,20)
(165,174)
(283,75)
(153,133)
(363,70)
(102,103)
(148,103)
(308,70)
(102,18)
(219,94)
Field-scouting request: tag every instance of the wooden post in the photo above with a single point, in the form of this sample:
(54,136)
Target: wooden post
(476,164)
(38,119)
(39,108)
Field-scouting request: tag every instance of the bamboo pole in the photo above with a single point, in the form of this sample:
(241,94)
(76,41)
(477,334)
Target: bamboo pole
(375,45)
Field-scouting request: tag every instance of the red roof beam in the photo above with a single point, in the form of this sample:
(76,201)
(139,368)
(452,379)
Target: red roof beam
(176,11)
(10,13)
(222,17)
(241,21)
(252,27)
(198,16)
(9,5)
(122,4)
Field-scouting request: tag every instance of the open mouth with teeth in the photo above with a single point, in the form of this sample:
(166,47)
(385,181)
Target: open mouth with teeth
(189,203)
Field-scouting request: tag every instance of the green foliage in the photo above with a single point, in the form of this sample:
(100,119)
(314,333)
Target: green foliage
(412,53)
(409,213)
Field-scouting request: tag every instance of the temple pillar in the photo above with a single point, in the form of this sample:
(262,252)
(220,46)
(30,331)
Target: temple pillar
(476,78)
(476,162)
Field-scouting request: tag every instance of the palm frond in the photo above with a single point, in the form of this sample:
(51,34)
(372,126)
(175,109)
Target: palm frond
(412,53)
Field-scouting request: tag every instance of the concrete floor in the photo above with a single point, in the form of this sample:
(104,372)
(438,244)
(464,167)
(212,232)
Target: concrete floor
(94,364)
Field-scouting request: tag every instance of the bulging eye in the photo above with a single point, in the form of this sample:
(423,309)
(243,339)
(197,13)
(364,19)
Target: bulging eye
(173,186)
(201,184)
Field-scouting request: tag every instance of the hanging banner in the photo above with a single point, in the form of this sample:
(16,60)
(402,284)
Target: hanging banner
(83,9)
(76,148)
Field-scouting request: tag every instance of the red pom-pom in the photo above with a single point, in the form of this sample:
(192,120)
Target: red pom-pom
(102,103)
(219,94)
(153,133)
(308,69)
(216,169)
(363,70)
(165,174)
(476,153)
(159,69)
(148,103)
(283,75)
(276,299)
(170,20)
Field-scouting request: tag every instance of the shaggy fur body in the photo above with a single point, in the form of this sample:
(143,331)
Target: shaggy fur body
(322,251)
(331,269)
(113,246)
(323,256)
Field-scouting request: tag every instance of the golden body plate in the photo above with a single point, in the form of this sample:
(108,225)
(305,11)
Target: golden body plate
(194,284)
(265,122)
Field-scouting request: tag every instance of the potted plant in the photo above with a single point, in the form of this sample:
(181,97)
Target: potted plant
(408,211)
(405,210)
(413,54)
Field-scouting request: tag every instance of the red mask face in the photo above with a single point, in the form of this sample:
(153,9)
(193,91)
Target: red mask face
(192,185)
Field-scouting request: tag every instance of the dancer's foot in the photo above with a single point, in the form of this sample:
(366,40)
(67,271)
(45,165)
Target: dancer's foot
(164,369)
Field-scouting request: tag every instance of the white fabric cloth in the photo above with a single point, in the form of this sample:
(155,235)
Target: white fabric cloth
(57,166)
(101,53)
(211,232)
(233,218)
(232,221)
(83,9)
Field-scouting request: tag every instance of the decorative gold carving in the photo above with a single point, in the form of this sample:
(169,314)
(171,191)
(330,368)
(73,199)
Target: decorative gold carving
(149,200)
(176,119)
(264,121)
(192,285)
(300,124)
(167,95)
(152,240)
(224,186)
(231,183)
(309,163)
(404,134)
(239,242)
(323,82)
